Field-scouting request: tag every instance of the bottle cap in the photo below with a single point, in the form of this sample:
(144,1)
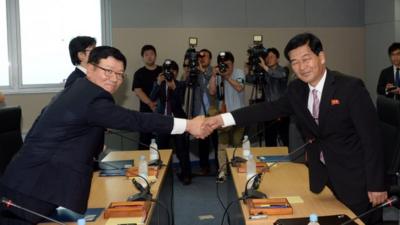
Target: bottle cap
(313,217)
(81,221)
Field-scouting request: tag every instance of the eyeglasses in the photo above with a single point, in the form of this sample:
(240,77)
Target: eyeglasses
(185,65)
(108,72)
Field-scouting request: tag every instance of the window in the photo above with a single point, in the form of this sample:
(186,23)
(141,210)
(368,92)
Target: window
(45,29)
(4,65)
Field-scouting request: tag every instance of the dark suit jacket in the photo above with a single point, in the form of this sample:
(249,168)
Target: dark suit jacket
(176,97)
(387,76)
(55,162)
(347,134)
(77,73)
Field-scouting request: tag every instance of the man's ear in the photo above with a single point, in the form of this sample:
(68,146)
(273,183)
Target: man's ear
(321,57)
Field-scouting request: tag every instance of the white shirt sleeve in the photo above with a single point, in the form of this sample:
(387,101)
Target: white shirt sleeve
(179,126)
(228,119)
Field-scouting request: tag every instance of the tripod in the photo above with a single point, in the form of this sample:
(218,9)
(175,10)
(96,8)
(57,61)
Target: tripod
(197,105)
(259,93)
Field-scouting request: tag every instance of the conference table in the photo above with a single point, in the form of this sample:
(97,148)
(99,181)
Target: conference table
(283,180)
(105,190)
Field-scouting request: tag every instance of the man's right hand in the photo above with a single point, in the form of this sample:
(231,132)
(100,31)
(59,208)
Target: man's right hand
(152,105)
(160,78)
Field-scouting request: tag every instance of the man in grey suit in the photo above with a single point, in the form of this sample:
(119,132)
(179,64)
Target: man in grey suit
(335,111)
(54,166)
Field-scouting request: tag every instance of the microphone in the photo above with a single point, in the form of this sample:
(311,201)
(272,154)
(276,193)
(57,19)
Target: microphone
(144,192)
(309,141)
(157,162)
(252,191)
(236,160)
(389,202)
(8,203)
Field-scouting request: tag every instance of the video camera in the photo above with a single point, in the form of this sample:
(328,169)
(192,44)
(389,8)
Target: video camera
(193,57)
(167,67)
(254,53)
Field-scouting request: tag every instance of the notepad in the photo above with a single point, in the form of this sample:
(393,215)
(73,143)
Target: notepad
(274,158)
(65,215)
(116,164)
(329,220)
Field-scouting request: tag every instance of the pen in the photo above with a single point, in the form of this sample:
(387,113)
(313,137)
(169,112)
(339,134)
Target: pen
(271,206)
(254,217)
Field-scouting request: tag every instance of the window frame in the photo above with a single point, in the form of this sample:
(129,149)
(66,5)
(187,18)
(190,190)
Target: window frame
(14,49)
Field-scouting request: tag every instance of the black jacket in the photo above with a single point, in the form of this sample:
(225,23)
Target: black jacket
(56,160)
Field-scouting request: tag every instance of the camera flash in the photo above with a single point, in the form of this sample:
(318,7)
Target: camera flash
(193,41)
(257,38)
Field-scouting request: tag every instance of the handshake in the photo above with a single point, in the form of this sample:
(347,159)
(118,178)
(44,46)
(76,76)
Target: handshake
(201,127)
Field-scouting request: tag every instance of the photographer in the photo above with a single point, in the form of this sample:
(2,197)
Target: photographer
(169,94)
(275,79)
(203,104)
(227,83)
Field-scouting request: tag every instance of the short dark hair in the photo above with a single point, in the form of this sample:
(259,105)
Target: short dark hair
(301,39)
(103,52)
(147,48)
(393,47)
(79,44)
(273,51)
(208,51)
(228,57)
(174,66)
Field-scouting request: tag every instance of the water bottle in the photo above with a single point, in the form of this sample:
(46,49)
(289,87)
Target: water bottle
(313,219)
(251,170)
(153,150)
(143,171)
(246,147)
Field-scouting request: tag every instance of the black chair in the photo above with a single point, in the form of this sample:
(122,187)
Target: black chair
(389,115)
(10,135)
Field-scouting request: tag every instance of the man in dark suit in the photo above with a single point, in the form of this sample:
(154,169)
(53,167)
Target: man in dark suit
(389,80)
(54,166)
(79,50)
(169,93)
(346,154)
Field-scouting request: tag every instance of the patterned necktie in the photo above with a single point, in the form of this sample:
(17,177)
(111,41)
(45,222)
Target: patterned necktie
(315,105)
(315,114)
(397,77)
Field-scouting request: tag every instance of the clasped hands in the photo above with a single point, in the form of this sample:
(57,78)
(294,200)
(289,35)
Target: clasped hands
(201,127)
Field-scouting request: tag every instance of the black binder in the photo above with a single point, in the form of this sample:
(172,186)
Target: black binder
(322,220)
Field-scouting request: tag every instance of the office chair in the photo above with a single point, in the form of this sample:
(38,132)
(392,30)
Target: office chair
(389,115)
(10,135)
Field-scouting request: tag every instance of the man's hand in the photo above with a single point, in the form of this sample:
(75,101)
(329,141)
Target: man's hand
(171,84)
(213,122)
(195,127)
(152,105)
(377,198)
(160,78)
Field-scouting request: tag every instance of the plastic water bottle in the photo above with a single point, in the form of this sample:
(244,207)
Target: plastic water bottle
(143,171)
(246,147)
(313,219)
(251,170)
(153,150)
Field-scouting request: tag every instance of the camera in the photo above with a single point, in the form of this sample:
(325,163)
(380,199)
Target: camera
(254,53)
(193,57)
(222,65)
(167,70)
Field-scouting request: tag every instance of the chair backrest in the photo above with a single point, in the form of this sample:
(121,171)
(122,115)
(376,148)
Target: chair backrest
(389,115)
(10,135)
